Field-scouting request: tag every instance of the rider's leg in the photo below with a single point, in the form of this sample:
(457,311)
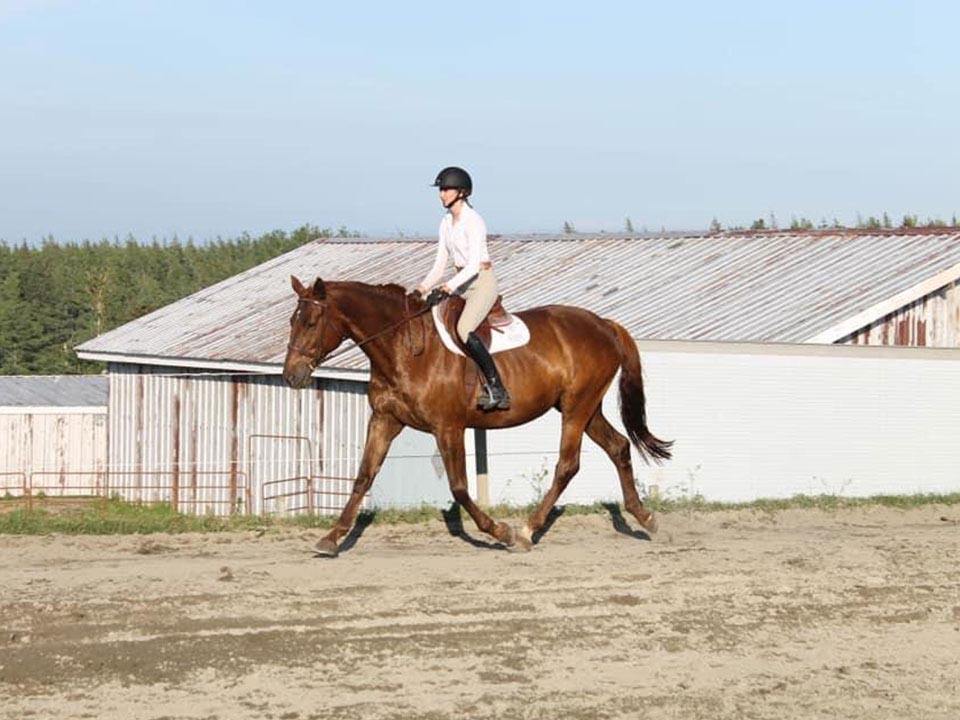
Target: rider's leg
(480,295)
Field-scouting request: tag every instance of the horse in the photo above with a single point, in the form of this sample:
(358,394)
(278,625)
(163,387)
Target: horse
(568,364)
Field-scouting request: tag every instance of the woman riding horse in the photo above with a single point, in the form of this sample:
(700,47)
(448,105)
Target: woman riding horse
(572,357)
(463,235)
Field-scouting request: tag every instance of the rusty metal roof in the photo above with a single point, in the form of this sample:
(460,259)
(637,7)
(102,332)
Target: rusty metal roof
(53,390)
(768,287)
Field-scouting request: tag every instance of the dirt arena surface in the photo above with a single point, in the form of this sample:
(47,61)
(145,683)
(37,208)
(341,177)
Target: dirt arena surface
(796,614)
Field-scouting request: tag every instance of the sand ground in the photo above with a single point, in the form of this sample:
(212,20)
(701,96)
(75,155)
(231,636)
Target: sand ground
(795,614)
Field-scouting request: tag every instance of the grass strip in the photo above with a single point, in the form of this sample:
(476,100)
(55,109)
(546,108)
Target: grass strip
(115,517)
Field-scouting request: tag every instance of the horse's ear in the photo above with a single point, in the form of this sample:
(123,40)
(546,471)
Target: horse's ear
(298,287)
(319,289)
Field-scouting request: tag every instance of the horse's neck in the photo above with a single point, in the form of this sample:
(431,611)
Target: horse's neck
(368,311)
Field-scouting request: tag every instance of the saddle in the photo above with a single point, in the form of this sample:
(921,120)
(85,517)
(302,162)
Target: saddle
(450,311)
(497,317)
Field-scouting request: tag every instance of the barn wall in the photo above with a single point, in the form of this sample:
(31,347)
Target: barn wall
(748,421)
(62,451)
(223,443)
(931,321)
(753,425)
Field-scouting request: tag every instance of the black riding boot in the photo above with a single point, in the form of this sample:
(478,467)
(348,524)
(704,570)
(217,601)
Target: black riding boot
(495,395)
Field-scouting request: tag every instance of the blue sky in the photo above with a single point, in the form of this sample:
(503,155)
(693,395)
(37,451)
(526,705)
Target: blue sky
(214,118)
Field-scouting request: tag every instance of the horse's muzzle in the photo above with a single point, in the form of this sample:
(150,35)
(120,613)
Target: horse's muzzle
(298,376)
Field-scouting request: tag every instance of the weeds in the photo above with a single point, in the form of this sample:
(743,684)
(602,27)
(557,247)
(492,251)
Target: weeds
(115,517)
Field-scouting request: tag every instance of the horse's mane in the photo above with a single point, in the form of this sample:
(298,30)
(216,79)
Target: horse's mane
(391,290)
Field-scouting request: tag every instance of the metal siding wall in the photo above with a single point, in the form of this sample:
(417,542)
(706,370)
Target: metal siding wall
(932,321)
(280,442)
(280,438)
(63,453)
(16,433)
(752,426)
(347,413)
(413,472)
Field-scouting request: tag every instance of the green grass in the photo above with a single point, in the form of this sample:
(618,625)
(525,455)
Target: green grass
(819,502)
(115,517)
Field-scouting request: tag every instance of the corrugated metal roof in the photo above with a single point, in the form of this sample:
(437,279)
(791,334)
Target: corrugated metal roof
(53,390)
(749,287)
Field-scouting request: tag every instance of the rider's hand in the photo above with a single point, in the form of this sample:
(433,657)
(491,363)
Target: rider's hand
(436,295)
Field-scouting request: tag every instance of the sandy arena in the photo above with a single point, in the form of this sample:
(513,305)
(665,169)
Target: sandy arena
(797,614)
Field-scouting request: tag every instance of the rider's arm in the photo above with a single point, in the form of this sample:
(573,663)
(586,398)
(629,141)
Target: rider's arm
(439,265)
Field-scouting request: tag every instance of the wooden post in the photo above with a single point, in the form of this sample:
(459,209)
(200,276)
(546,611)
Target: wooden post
(483,483)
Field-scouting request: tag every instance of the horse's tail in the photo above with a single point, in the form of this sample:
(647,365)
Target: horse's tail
(633,402)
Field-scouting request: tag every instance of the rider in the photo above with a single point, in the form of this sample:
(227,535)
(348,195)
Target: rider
(463,234)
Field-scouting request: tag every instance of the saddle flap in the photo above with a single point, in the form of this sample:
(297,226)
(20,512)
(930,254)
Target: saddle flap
(496,318)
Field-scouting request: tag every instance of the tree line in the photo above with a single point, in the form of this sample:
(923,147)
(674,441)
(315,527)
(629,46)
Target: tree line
(872,222)
(57,295)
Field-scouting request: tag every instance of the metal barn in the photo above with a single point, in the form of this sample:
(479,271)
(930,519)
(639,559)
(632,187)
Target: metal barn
(53,435)
(779,362)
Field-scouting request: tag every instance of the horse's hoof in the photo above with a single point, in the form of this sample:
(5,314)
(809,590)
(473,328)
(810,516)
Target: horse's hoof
(651,524)
(326,548)
(524,540)
(506,534)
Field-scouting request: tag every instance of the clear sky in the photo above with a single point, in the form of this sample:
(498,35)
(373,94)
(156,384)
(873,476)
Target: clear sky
(205,118)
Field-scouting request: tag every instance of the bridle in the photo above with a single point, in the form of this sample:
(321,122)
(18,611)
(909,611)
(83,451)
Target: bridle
(323,326)
(314,361)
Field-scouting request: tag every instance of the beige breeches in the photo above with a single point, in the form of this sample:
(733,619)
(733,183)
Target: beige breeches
(480,294)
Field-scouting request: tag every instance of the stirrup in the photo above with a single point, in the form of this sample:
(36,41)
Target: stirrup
(487,400)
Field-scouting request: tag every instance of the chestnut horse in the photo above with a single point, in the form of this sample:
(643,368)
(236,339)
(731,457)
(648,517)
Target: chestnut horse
(570,361)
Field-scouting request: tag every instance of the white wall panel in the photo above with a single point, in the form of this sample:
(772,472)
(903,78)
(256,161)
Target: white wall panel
(752,425)
(62,452)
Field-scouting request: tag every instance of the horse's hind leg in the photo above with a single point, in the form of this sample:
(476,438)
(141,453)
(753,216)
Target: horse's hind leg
(450,444)
(571,437)
(618,448)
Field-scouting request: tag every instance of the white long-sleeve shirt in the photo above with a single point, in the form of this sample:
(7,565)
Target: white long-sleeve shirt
(466,240)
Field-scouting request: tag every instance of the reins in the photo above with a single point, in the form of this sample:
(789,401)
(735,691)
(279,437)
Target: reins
(388,329)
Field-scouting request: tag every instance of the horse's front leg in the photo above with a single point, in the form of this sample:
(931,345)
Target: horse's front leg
(381,430)
(450,443)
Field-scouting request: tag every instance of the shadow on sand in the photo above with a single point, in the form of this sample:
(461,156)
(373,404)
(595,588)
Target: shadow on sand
(364,520)
(555,512)
(454,522)
(620,523)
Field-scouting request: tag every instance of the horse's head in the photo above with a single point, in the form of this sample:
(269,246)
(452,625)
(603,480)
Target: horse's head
(314,332)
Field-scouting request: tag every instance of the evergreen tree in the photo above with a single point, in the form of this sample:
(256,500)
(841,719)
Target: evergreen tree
(55,296)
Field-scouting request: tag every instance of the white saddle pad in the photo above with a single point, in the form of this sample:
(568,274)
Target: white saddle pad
(502,337)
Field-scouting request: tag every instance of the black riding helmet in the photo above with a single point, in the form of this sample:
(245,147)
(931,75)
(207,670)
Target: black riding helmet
(455,177)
